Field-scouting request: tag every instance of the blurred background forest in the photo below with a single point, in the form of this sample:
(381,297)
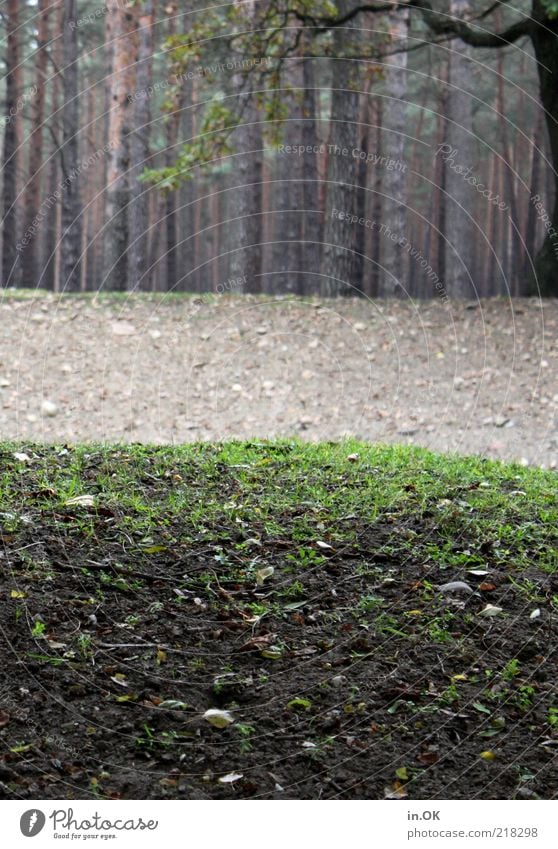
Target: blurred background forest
(151,146)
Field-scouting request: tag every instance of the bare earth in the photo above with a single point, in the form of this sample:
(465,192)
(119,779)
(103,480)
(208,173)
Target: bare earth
(477,378)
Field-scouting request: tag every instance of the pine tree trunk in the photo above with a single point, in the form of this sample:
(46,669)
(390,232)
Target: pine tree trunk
(513,261)
(341,266)
(70,248)
(138,257)
(376,205)
(50,244)
(545,43)
(460,195)
(535,187)
(313,219)
(245,244)
(121,82)
(288,194)
(32,200)
(188,260)
(395,257)
(11,155)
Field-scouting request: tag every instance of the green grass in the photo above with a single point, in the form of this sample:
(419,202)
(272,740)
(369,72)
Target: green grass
(456,511)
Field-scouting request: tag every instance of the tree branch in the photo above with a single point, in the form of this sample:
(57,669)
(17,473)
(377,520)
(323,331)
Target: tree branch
(444,25)
(437,22)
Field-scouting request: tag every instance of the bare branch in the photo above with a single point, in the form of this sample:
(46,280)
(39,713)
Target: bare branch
(437,22)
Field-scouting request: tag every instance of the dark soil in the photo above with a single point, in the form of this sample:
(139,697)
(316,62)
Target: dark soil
(360,680)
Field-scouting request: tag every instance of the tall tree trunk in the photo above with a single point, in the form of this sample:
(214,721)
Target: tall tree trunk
(33,189)
(534,188)
(138,265)
(460,195)
(510,195)
(395,256)
(545,43)
(11,154)
(172,128)
(376,205)
(71,203)
(313,219)
(439,216)
(487,283)
(288,194)
(50,244)
(246,194)
(121,82)
(188,261)
(341,266)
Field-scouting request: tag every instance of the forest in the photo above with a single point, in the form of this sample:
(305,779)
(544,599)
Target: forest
(283,147)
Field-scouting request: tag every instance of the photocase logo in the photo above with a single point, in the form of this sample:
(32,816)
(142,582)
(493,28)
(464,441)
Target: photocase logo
(32,822)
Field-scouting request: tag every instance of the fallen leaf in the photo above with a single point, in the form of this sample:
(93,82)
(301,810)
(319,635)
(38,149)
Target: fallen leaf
(4,718)
(263,574)
(218,718)
(258,643)
(487,755)
(21,457)
(272,653)
(80,501)
(456,587)
(397,791)
(172,704)
(230,778)
(490,610)
(428,758)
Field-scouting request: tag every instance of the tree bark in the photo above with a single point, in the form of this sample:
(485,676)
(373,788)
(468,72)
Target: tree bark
(460,196)
(71,240)
(32,200)
(121,82)
(341,266)
(534,189)
(312,225)
(138,258)
(545,42)
(395,264)
(288,194)
(11,155)
(246,192)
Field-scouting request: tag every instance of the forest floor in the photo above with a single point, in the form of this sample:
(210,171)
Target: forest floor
(472,378)
(362,622)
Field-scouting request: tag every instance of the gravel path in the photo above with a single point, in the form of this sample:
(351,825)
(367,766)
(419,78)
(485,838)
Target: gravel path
(476,378)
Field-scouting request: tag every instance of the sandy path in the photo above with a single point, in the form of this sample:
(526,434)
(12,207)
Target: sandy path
(474,379)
